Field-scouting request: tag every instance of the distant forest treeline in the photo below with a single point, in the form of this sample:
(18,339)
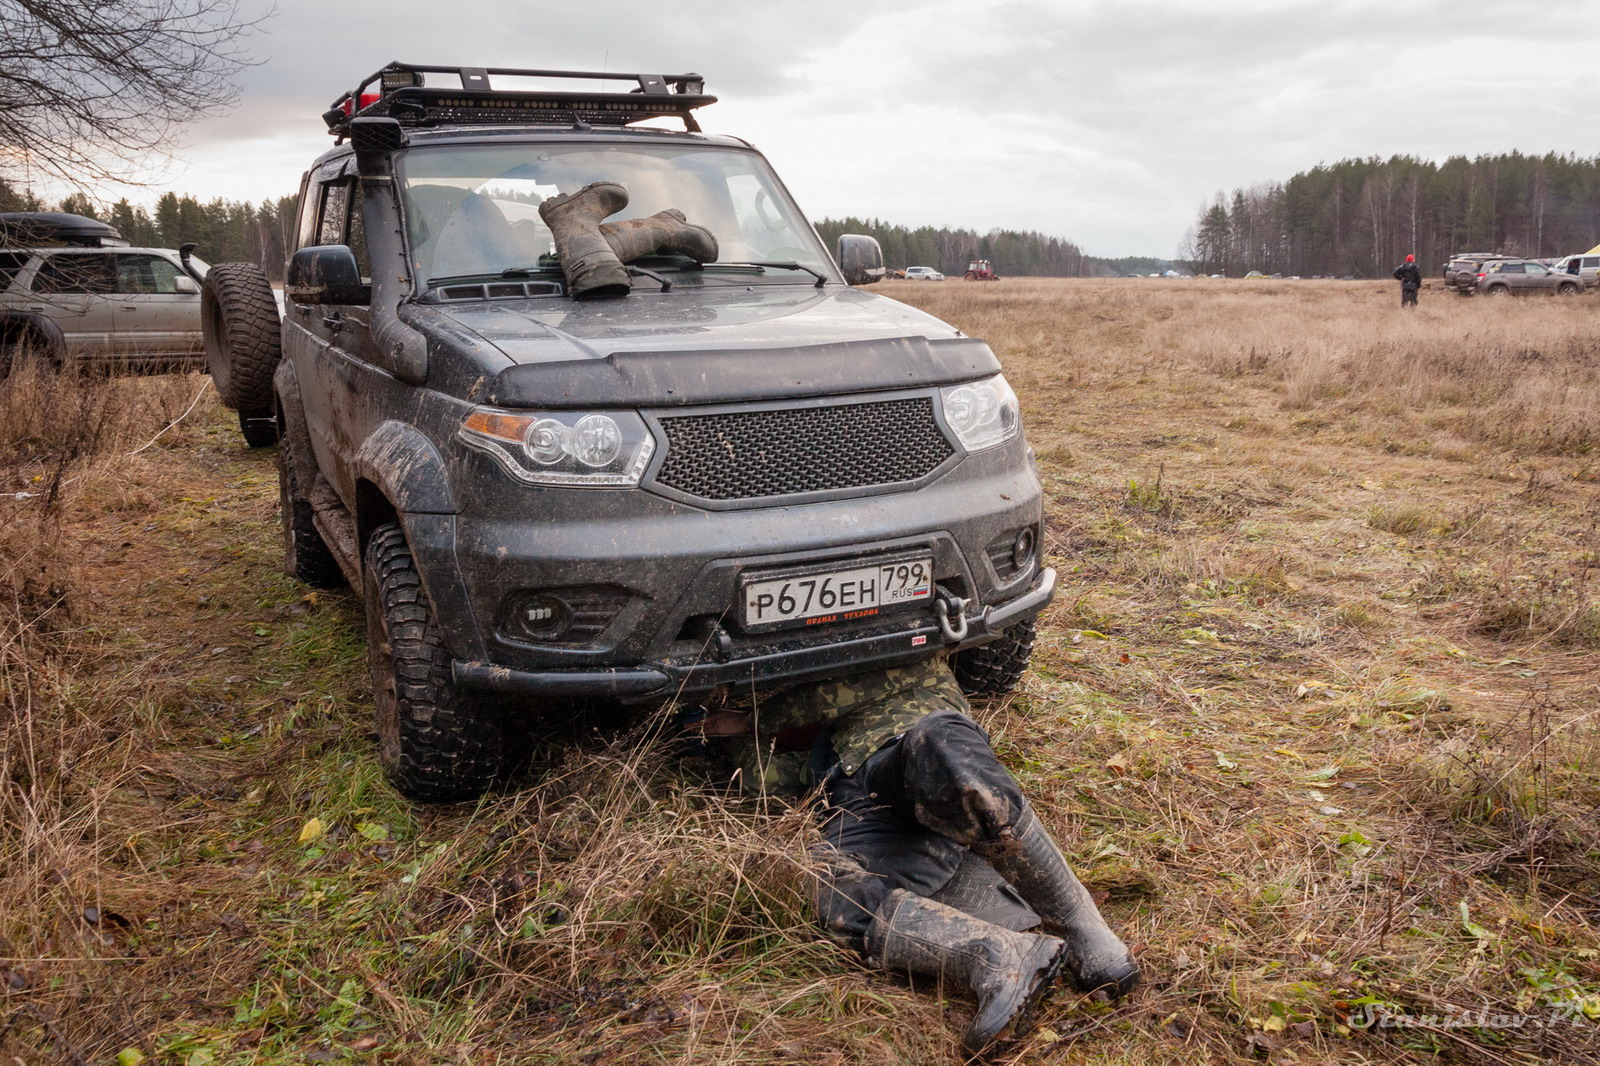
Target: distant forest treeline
(227,231)
(1029,254)
(1362,216)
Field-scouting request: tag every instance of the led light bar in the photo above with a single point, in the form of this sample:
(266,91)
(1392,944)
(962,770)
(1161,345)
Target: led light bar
(401,91)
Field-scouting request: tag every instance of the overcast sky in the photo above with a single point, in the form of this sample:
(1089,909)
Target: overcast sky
(1107,122)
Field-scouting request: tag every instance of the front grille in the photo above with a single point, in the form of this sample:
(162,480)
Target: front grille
(748,455)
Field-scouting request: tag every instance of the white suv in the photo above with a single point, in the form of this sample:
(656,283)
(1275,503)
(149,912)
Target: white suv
(923,274)
(101,303)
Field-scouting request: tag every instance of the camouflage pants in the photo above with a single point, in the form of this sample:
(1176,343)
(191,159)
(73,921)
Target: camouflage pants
(906,818)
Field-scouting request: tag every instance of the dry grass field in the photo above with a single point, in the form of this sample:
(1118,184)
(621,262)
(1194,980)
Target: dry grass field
(1317,710)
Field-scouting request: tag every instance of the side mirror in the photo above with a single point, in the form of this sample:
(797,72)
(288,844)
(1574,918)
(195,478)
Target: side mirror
(860,258)
(185,284)
(326,274)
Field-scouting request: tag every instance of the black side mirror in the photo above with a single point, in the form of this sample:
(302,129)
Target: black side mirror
(860,258)
(326,274)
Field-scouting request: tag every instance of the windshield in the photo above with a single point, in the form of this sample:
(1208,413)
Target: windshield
(473,210)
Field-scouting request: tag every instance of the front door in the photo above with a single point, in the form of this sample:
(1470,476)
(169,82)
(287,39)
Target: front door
(154,319)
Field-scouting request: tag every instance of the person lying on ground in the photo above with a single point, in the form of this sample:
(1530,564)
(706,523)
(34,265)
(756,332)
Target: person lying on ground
(932,861)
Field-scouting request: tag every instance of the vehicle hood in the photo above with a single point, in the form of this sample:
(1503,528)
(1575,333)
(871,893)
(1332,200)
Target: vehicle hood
(705,346)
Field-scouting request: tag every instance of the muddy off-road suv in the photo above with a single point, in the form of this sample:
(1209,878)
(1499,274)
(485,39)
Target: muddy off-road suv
(731,470)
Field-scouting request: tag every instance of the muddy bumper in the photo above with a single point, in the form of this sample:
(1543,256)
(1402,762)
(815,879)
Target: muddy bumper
(910,637)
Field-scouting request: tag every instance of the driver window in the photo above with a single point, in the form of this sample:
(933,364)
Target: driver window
(145,274)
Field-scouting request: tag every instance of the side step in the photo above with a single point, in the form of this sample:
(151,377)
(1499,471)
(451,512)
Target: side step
(338,529)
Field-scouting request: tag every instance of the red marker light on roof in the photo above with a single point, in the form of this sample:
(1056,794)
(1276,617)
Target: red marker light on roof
(367,100)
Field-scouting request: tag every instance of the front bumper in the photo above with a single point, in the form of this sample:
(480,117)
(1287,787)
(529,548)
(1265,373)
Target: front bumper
(914,636)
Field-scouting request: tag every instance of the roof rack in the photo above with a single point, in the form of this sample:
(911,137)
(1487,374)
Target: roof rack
(400,91)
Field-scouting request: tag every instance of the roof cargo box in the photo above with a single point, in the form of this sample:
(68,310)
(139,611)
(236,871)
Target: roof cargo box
(57,227)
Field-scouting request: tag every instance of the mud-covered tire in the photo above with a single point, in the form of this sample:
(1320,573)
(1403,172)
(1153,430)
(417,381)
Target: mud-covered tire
(436,743)
(1567,288)
(993,669)
(239,318)
(306,556)
(259,428)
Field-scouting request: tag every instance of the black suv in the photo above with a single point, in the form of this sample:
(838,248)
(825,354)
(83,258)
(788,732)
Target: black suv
(742,473)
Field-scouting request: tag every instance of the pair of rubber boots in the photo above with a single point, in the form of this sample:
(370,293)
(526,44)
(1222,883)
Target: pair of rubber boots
(592,253)
(1009,973)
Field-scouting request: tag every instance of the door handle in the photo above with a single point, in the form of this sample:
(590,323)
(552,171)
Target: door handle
(334,322)
(125,307)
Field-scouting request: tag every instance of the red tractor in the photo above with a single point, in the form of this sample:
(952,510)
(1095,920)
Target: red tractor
(980,270)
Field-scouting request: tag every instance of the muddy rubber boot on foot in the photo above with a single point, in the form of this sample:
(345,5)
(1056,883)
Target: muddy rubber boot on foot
(592,269)
(1009,973)
(1028,858)
(663,233)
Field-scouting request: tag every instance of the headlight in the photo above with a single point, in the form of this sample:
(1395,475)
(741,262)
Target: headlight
(582,450)
(982,413)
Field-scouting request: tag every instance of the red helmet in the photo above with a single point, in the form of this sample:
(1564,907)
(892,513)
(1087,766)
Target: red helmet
(1411,259)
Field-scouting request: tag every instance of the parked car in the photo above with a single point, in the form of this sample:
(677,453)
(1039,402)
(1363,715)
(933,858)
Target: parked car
(1461,272)
(1585,266)
(738,472)
(1512,277)
(923,274)
(73,291)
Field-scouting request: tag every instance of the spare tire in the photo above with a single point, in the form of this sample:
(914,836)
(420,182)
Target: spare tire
(240,320)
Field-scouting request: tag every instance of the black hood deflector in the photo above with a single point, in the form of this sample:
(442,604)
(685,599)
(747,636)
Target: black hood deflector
(673,378)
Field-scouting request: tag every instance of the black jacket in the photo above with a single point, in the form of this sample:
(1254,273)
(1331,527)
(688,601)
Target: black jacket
(1408,276)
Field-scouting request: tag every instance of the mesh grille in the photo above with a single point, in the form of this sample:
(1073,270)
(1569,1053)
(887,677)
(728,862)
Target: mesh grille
(747,455)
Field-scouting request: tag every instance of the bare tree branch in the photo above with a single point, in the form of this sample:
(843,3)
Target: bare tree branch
(90,90)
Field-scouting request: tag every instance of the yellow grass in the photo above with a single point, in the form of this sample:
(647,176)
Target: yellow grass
(1315,709)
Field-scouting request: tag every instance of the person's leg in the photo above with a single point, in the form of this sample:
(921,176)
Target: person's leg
(943,774)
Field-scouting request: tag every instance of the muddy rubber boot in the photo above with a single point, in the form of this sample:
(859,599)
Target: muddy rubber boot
(663,233)
(1027,858)
(1009,973)
(592,269)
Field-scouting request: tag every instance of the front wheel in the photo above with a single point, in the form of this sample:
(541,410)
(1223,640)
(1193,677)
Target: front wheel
(436,743)
(1567,288)
(993,669)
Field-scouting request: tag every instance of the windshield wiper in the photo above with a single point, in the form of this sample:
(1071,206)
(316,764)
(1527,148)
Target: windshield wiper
(787,264)
(528,272)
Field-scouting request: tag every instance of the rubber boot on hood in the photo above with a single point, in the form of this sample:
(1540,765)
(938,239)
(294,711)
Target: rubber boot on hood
(591,267)
(663,233)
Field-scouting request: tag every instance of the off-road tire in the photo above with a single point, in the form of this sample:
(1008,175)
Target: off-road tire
(436,743)
(1497,290)
(259,428)
(306,556)
(993,669)
(239,318)
(1567,288)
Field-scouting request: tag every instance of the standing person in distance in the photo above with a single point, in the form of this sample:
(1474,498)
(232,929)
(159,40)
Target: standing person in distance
(1410,279)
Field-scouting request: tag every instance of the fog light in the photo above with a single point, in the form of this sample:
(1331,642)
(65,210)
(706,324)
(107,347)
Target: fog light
(542,617)
(574,616)
(1022,550)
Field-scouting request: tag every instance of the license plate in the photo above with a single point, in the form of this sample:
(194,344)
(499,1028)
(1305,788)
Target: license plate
(817,597)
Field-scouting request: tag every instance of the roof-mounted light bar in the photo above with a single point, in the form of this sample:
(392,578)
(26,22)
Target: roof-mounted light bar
(401,91)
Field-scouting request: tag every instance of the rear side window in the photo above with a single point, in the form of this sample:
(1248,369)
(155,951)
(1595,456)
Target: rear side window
(75,275)
(10,263)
